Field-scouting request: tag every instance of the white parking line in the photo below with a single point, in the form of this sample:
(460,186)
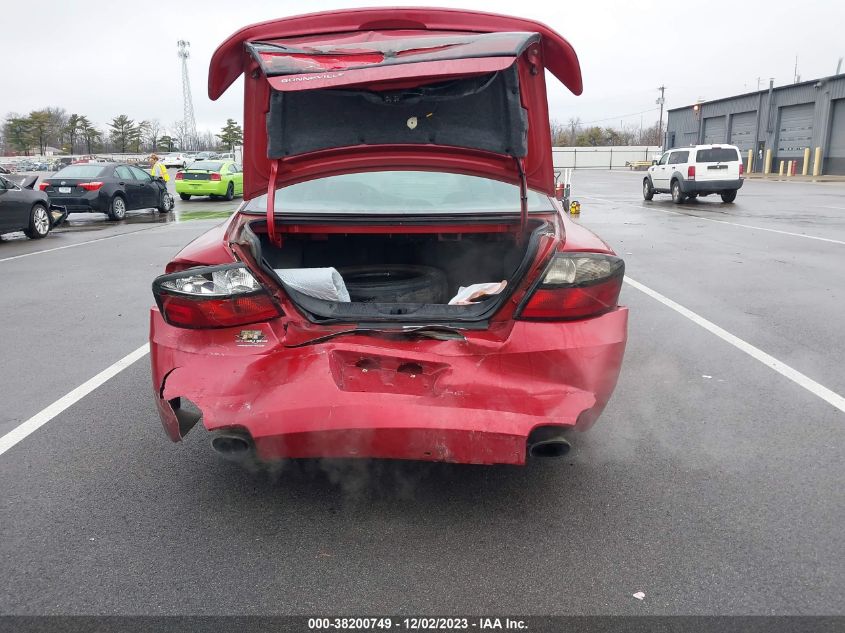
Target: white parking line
(782,368)
(698,217)
(41,418)
(99,239)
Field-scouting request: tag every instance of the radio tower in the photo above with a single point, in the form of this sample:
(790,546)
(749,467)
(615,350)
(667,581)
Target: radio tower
(187,103)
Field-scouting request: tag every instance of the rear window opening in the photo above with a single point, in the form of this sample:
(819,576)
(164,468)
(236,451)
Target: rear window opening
(399,193)
(717,155)
(407,277)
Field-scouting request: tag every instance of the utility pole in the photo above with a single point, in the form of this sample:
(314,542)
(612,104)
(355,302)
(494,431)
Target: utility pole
(661,100)
(188,118)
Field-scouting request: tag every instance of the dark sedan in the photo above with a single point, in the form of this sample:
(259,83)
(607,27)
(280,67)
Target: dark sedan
(110,188)
(23,209)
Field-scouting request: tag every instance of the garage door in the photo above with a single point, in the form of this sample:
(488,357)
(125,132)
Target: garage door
(837,130)
(743,127)
(795,131)
(715,130)
(835,163)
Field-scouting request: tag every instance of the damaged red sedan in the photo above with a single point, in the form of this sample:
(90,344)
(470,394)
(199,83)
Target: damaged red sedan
(400,281)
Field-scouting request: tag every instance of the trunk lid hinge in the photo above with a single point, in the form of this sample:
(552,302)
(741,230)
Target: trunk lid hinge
(275,238)
(523,196)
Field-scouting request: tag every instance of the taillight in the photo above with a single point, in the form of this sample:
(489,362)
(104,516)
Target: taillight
(180,175)
(213,297)
(691,172)
(43,186)
(575,286)
(741,170)
(215,177)
(90,186)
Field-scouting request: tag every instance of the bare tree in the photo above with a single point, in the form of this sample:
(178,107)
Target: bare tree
(179,133)
(206,140)
(559,133)
(628,134)
(574,129)
(58,127)
(154,132)
(651,136)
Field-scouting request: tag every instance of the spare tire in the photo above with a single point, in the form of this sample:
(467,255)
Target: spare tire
(396,283)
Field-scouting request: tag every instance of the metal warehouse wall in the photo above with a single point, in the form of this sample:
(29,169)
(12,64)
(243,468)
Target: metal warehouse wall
(810,114)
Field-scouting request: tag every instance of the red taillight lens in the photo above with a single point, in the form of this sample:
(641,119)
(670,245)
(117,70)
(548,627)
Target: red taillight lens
(691,172)
(215,177)
(741,170)
(90,186)
(213,297)
(196,312)
(180,175)
(575,286)
(43,186)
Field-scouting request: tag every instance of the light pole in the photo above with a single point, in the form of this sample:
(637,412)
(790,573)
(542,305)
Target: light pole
(660,100)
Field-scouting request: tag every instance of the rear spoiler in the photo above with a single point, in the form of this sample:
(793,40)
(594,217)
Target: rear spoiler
(231,57)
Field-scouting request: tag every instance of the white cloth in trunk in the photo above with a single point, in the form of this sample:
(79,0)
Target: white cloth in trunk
(320,283)
(467,295)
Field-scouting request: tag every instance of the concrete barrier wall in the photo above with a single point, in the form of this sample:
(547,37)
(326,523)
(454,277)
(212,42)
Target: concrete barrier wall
(603,157)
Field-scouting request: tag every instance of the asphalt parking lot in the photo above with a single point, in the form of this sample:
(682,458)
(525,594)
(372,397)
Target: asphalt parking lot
(712,483)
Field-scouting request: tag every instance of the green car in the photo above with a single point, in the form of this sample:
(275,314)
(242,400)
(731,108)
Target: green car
(214,178)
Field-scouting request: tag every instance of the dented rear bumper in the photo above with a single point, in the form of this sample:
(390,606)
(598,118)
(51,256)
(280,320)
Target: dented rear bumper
(466,401)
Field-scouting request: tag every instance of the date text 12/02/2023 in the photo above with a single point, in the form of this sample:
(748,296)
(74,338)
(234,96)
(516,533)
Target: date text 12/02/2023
(416,623)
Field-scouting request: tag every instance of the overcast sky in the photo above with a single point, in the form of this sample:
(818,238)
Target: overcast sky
(102,58)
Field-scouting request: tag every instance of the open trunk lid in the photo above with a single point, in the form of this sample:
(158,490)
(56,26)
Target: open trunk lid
(417,89)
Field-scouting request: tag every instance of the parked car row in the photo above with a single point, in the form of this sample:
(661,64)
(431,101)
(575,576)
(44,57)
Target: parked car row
(96,186)
(27,165)
(183,159)
(110,188)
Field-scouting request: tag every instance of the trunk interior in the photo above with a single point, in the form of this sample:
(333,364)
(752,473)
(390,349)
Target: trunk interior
(404,275)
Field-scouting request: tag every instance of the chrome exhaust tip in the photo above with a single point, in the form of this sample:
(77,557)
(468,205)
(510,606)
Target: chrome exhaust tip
(233,446)
(550,448)
(548,441)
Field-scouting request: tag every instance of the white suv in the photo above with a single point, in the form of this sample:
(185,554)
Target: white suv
(175,160)
(698,170)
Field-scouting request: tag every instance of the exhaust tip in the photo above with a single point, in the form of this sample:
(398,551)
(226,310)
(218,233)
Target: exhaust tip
(548,441)
(550,448)
(232,446)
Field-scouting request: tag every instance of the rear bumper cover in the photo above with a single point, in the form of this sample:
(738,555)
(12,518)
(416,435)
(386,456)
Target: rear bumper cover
(92,202)
(473,401)
(202,187)
(710,186)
